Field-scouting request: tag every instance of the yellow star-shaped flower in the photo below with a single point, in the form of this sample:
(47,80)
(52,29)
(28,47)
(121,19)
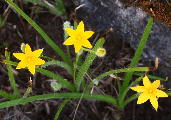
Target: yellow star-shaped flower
(29,59)
(79,37)
(149,91)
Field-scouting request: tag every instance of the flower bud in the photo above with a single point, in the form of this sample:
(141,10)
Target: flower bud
(100,52)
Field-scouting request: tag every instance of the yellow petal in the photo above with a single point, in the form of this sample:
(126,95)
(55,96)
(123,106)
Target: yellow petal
(80,27)
(27,49)
(19,56)
(39,61)
(31,68)
(87,44)
(70,31)
(69,41)
(161,94)
(38,52)
(88,34)
(154,102)
(142,98)
(156,84)
(77,47)
(21,65)
(138,88)
(146,81)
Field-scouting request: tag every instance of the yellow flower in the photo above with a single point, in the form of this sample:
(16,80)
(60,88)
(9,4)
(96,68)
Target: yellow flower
(79,37)
(29,59)
(149,91)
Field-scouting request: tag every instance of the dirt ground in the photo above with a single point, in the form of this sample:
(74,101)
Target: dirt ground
(16,31)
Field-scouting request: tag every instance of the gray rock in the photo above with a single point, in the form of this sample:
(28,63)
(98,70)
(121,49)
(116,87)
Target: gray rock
(129,23)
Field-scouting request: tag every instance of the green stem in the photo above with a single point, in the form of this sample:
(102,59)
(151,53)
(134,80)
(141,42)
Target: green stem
(88,50)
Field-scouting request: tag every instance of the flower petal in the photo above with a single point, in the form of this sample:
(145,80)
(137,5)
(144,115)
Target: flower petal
(142,98)
(156,84)
(39,61)
(69,41)
(31,68)
(27,49)
(38,52)
(70,31)
(138,88)
(77,47)
(154,102)
(87,44)
(19,56)
(80,27)
(88,34)
(161,93)
(146,81)
(21,65)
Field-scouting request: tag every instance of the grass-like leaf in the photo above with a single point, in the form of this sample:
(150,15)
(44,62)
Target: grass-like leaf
(11,76)
(60,109)
(60,64)
(23,101)
(136,58)
(150,76)
(54,76)
(127,70)
(87,63)
(7,95)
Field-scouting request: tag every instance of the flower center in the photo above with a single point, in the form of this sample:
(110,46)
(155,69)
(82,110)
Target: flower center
(150,91)
(30,59)
(79,37)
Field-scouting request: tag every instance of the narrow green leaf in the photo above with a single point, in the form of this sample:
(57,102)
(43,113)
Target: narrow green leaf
(60,109)
(60,64)
(136,58)
(11,76)
(150,76)
(138,52)
(54,76)
(23,101)
(7,95)
(127,70)
(130,99)
(87,63)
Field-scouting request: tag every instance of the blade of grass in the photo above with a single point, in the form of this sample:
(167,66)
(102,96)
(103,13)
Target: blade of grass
(60,8)
(101,76)
(169,93)
(54,76)
(23,101)
(11,76)
(48,40)
(87,63)
(60,64)
(150,76)
(7,95)
(60,109)
(129,99)
(127,70)
(136,57)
